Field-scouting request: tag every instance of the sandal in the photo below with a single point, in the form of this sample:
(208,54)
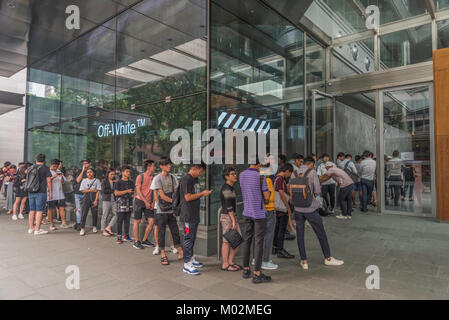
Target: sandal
(239,267)
(164,261)
(227,268)
(106,235)
(110,233)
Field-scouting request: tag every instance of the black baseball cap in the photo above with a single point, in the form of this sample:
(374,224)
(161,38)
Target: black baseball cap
(86,160)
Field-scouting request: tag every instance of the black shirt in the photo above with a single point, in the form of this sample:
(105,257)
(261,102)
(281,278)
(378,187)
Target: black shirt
(190,210)
(123,185)
(107,190)
(228,199)
(44,173)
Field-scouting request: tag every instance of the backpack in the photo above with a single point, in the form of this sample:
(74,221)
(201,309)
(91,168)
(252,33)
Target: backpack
(302,196)
(176,204)
(33,181)
(354,177)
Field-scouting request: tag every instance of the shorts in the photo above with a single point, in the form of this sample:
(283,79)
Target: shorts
(37,201)
(140,209)
(226,225)
(56,204)
(358,186)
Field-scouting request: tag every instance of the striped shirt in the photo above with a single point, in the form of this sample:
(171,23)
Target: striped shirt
(253,205)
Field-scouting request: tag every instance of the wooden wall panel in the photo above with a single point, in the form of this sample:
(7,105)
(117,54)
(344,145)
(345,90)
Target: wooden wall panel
(441,114)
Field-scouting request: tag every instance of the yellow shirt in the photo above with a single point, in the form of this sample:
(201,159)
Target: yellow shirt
(270,206)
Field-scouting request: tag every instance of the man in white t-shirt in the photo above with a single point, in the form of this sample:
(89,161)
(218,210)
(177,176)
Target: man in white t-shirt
(57,199)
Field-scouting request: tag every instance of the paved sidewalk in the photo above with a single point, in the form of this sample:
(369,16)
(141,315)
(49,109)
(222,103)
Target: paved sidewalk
(412,254)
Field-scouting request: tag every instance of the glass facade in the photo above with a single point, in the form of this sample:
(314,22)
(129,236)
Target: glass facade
(116,93)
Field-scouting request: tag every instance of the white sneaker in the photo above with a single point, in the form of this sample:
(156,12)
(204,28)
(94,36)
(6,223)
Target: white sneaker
(349,217)
(21,217)
(304,265)
(82,232)
(269,265)
(190,269)
(333,262)
(65,226)
(37,233)
(94,230)
(30,231)
(253,262)
(156,251)
(14,217)
(340,216)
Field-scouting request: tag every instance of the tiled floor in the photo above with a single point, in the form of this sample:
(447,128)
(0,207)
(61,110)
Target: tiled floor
(411,253)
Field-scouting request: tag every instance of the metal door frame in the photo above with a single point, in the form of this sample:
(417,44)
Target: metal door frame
(316,93)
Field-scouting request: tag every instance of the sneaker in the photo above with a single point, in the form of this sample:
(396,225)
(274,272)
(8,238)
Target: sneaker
(196,264)
(30,231)
(65,226)
(340,216)
(53,228)
(119,240)
(269,265)
(14,217)
(349,217)
(94,230)
(156,251)
(289,236)
(189,268)
(304,265)
(21,217)
(333,262)
(77,227)
(38,233)
(138,245)
(82,232)
(127,238)
(246,273)
(174,250)
(253,262)
(261,279)
(283,254)
(147,243)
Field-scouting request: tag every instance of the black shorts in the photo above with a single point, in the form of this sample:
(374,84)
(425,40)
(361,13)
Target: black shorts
(141,209)
(56,204)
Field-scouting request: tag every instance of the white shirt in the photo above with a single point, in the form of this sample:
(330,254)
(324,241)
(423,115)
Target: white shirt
(368,169)
(321,171)
(57,191)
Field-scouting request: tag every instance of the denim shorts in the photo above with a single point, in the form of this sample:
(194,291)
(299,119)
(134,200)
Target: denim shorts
(358,186)
(37,201)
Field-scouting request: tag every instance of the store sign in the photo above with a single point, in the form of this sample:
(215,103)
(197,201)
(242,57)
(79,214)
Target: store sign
(120,128)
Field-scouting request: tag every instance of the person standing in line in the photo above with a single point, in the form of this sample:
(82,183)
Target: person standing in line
(298,160)
(108,203)
(190,196)
(254,191)
(395,169)
(10,194)
(409,181)
(144,205)
(3,173)
(58,199)
(327,187)
(67,186)
(303,192)
(38,182)
(228,218)
(78,194)
(346,186)
(283,211)
(358,184)
(124,191)
(21,195)
(90,187)
(367,178)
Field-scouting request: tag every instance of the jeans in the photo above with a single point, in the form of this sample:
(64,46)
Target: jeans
(407,185)
(190,230)
(162,220)
(269,236)
(329,189)
(87,204)
(396,183)
(346,200)
(367,191)
(279,231)
(123,218)
(78,198)
(316,222)
(109,208)
(254,228)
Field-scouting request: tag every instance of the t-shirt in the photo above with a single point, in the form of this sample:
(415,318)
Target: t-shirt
(228,199)
(57,191)
(322,171)
(90,184)
(190,210)
(44,173)
(253,205)
(145,187)
(167,184)
(270,206)
(123,185)
(368,169)
(340,176)
(281,184)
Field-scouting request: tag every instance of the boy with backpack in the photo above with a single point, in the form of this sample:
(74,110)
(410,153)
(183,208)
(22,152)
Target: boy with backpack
(304,187)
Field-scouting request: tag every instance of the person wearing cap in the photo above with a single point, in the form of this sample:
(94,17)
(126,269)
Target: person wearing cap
(78,194)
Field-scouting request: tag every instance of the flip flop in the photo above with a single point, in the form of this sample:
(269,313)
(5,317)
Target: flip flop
(239,267)
(227,269)
(164,261)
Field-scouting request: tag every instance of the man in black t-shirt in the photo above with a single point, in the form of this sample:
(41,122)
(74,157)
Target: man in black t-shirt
(124,192)
(38,199)
(190,195)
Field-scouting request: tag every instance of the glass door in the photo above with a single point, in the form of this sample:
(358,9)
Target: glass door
(408,151)
(323,125)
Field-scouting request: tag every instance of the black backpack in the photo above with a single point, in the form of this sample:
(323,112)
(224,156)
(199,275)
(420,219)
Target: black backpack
(302,196)
(354,177)
(33,181)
